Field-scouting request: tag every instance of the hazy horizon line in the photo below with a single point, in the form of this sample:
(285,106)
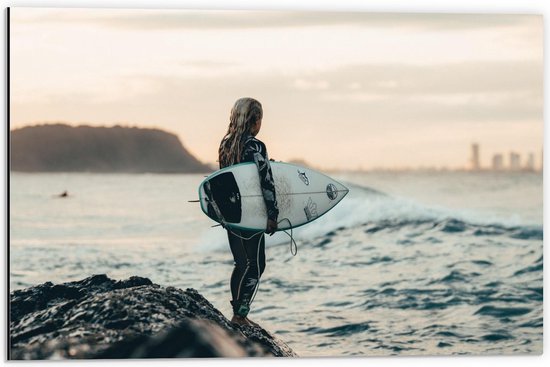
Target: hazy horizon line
(303,160)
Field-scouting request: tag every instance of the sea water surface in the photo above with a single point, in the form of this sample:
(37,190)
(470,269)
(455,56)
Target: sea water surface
(407,264)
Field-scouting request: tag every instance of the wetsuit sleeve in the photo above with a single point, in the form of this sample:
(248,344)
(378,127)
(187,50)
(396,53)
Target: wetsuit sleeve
(255,151)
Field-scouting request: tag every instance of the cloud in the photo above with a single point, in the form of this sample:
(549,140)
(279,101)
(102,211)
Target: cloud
(448,78)
(398,95)
(208,64)
(308,84)
(141,19)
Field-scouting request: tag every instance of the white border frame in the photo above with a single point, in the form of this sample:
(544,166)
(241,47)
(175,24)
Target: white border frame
(418,6)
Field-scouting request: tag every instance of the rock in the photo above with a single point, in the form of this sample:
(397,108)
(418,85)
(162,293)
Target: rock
(99,317)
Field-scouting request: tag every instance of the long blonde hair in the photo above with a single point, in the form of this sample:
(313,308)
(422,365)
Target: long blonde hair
(244,114)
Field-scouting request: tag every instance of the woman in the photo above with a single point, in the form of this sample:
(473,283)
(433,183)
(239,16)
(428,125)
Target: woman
(240,145)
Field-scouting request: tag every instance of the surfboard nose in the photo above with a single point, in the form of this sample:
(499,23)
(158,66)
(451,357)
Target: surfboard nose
(336,190)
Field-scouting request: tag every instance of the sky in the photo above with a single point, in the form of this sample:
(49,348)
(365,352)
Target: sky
(348,90)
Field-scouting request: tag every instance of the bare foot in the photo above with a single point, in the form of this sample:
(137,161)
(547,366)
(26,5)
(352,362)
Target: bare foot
(239,320)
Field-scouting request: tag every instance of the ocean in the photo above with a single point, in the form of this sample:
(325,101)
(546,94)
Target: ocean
(410,263)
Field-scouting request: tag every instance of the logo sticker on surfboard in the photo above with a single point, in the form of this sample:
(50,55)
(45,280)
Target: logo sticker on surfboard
(303,177)
(311,210)
(332,192)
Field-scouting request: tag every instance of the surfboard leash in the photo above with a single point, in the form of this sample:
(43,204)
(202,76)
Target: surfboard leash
(292,244)
(291,235)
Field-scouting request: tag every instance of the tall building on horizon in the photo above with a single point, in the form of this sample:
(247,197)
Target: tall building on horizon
(530,165)
(515,161)
(474,160)
(498,162)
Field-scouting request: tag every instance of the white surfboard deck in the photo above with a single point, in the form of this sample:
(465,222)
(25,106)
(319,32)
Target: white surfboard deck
(234,193)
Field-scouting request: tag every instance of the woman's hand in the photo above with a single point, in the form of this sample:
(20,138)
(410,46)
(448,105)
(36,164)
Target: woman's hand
(271,227)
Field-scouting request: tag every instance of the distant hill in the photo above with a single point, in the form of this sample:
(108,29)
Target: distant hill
(64,148)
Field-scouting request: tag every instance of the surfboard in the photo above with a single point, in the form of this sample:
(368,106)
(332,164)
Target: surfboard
(232,196)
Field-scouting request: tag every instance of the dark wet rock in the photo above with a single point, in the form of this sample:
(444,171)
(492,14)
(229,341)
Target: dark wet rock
(99,317)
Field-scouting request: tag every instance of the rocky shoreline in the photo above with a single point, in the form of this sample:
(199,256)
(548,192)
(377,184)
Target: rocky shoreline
(101,318)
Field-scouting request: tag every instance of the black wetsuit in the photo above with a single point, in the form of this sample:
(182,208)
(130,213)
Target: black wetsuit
(249,249)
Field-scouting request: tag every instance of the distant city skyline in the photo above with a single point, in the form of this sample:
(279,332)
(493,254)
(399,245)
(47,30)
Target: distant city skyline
(339,90)
(498,161)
